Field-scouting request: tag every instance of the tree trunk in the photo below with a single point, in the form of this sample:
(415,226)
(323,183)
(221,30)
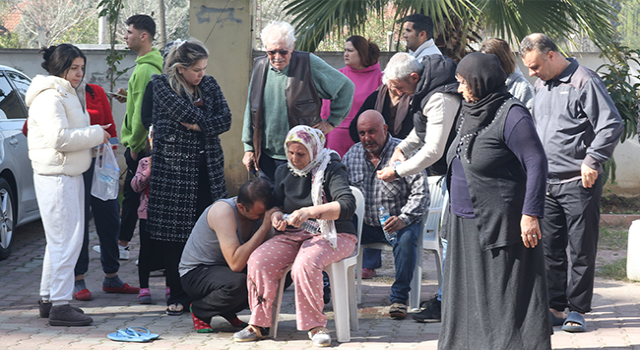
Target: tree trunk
(163,27)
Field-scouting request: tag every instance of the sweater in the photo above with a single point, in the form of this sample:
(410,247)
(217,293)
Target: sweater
(60,136)
(330,84)
(366,81)
(133,133)
(292,192)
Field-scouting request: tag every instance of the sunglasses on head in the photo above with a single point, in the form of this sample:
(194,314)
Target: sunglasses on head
(282,52)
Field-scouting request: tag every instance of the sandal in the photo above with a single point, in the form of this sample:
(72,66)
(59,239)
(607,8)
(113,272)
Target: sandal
(574,317)
(175,309)
(200,325)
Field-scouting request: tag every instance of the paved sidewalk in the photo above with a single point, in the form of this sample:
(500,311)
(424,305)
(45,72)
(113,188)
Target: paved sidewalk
(614,323)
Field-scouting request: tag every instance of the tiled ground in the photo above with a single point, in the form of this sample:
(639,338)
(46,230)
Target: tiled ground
(614,323)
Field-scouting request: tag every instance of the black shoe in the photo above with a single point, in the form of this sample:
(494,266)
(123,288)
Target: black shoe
(425,304)
(45,308)
(65,315)
(430,314)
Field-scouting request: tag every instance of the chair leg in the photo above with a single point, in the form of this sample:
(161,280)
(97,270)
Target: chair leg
(439,266)
(416,281)
(339,285)
(277,302)
(359,275)
(353,306)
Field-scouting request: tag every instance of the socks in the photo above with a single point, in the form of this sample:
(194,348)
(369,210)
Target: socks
(78,286)
(112,282)
(235,321)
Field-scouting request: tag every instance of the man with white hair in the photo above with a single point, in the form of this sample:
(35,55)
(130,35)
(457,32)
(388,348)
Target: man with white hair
(287,88)
(435,103)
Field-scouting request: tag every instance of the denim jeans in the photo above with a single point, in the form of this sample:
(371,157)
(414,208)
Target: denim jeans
(106,215)
(404,255)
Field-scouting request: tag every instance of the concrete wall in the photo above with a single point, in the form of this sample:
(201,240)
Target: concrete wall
(226,24)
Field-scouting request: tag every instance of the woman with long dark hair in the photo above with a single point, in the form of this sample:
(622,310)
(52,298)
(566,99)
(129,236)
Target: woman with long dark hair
(189,112)
(60,140)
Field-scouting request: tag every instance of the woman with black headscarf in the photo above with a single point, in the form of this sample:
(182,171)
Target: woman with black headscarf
(496,175)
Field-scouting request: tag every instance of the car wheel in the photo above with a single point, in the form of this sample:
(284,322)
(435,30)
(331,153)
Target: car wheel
(7,219)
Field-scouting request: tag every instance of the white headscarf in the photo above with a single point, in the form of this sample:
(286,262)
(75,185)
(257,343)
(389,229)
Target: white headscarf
(314,141)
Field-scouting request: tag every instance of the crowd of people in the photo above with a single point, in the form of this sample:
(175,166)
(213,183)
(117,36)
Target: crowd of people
(522,165)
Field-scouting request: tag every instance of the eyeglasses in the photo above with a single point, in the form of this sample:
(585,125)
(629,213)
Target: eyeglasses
(282,52)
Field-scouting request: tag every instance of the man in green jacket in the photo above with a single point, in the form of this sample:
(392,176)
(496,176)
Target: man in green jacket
(286,89)
(139,38)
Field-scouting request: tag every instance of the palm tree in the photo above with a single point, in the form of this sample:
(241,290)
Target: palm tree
(458,22)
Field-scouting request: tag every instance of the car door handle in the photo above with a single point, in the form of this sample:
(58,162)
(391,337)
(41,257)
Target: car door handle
(13,141)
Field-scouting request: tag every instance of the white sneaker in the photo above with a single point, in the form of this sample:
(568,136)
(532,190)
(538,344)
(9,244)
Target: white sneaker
(122,251)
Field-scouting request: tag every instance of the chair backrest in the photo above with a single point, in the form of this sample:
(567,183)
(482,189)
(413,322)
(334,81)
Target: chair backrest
(431,220)
(359,213)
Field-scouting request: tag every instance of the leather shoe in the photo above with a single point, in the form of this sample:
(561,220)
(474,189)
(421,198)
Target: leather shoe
(84,295)
(368,273)
(126,289)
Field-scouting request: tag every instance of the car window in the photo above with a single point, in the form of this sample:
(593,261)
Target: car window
(20,81)
(9,101)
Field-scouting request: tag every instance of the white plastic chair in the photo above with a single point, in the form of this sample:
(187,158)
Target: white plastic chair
(429,236)
(427,239)
(342,279)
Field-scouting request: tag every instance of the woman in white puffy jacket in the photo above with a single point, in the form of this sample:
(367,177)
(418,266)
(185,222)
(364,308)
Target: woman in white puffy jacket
(60,140)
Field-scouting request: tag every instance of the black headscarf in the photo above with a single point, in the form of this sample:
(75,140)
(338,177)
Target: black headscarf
(485,77)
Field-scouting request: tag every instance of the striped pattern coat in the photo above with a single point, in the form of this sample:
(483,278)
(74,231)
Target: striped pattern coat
(174,167)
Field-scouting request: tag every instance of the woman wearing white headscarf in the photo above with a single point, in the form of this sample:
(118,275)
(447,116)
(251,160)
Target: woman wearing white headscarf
(312,185)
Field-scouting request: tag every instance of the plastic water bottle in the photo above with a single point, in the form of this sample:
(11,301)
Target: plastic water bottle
(383,215)
(396,163)
(309,225)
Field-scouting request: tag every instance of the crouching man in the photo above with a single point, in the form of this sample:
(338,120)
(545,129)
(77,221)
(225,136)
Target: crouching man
(214,260)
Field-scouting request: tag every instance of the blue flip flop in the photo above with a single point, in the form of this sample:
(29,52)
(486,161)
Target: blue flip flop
(123,335)
(133,334)
(556,321)
(142,332)
(574,317)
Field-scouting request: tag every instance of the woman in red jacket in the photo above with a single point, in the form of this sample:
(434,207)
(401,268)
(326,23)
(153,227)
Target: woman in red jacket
(106,214)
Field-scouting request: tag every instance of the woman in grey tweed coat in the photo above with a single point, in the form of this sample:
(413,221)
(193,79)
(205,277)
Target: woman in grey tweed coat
(187,164)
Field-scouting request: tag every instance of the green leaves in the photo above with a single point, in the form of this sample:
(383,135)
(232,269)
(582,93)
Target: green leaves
(111,9)
(457,22)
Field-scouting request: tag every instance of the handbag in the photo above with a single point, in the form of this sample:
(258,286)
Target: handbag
(106,174)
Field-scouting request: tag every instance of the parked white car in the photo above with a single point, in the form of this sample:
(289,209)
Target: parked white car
(18,203)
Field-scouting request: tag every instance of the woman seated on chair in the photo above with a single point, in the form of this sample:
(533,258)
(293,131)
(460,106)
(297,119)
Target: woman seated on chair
(312,185)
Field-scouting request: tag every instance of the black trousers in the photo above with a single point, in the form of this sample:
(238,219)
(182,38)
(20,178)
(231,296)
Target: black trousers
(571,217)
(131,200)
(268,167)
(216,291)
(171,253)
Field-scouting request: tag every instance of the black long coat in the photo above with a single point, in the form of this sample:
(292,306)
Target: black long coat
(174,161)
